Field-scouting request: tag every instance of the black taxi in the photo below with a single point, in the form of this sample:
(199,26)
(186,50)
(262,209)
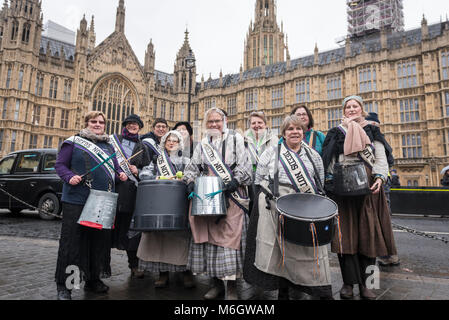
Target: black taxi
(28,177)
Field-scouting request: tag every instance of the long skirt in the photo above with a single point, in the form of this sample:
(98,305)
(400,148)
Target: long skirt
(216,261)
(83,247)
(365,224)
(305,269)
(164,251)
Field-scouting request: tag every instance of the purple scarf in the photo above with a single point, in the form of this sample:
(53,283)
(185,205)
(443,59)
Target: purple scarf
(128,136)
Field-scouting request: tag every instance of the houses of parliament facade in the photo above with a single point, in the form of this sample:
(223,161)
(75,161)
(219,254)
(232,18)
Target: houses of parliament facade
(47,85)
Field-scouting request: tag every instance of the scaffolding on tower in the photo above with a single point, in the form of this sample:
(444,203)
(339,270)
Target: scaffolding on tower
(368,16)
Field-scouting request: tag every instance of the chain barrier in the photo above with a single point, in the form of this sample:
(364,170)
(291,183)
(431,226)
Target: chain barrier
(407,229)
(40,210)
(420,233)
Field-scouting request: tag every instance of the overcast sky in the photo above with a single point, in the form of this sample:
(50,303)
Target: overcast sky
(218,28)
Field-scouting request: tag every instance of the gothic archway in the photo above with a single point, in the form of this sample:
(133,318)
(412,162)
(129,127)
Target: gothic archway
(116,99)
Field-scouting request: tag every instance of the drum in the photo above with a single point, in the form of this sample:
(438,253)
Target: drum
(99,210)
(308,218)
(161,205)
(204,206)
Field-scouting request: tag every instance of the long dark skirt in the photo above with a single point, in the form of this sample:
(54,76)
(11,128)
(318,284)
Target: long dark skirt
(121,238)
(80,246)
(251,274)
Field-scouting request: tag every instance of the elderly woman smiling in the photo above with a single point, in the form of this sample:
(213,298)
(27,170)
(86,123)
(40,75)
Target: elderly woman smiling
(294,162)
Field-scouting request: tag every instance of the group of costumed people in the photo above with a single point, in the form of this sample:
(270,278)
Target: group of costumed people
(256,168)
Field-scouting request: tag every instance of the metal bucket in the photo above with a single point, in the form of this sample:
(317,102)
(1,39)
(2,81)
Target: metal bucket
(99,210)
(161,205)
(204,206)
(309,219)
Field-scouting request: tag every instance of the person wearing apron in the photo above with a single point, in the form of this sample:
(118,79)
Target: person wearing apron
(364,219)
(270,261)
(258,138)
(166,252)
(218,245)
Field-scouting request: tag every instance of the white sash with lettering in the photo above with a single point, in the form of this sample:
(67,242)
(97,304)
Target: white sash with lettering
(164,165)
(122,159)
(296,170)
(367,155)
(93,150)
(221,170)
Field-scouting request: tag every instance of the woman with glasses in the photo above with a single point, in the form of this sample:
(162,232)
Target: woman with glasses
(83,247)
(313,138)
(218,245)
(166,252)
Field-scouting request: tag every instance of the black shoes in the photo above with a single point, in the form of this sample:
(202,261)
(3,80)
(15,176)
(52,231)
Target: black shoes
(64,293)
(96,286)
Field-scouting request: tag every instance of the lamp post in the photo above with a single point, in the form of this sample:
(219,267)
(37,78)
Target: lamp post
(190,64)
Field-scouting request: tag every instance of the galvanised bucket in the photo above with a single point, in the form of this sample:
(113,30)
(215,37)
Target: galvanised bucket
(204,206)
(100,210)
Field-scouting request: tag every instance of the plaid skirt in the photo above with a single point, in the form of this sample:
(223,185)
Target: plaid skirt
(215,261)
(149,266)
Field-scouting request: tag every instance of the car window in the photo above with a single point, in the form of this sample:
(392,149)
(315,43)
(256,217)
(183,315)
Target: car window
(49,162)
(6,165)
(28,162)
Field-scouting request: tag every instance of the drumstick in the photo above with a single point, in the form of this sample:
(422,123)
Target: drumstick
(127,160)
(92,170)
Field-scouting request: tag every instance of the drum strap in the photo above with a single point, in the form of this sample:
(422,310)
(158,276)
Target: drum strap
(316,177)
(296,170)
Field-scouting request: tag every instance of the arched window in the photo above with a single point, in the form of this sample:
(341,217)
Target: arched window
(115,98)
(26,32)
(15,30)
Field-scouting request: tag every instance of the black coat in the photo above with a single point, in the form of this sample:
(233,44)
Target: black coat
(127,191)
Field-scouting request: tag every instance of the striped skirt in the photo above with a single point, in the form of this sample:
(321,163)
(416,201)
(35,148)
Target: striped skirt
(215,261)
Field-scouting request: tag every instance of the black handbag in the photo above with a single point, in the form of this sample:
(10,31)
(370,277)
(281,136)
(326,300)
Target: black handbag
(349,179)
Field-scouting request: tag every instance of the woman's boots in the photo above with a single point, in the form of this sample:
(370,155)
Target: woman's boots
(216,291)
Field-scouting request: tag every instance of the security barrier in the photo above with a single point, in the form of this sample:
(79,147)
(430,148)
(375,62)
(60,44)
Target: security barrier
(420,200)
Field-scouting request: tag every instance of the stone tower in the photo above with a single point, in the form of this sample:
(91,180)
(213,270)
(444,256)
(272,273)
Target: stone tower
(181,72)
(265,41)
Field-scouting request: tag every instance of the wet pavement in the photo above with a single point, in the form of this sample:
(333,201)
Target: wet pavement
(29,250)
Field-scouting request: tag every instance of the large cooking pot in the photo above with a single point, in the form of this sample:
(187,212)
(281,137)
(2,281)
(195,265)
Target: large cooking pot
(161,205)
(99,210)
(309,219)
(205,206)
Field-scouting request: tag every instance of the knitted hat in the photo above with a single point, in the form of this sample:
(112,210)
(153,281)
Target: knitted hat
(133,118)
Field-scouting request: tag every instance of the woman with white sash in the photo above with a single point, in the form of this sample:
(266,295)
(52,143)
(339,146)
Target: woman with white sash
(128,146)
(270,261)
(80,246)
(364,220)
(218,246)
(165,252)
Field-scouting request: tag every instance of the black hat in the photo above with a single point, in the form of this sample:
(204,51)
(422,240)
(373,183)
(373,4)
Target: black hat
(187,125)
(372,116)
(133,118)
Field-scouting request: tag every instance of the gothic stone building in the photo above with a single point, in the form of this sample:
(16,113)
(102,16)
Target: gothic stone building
(46,85)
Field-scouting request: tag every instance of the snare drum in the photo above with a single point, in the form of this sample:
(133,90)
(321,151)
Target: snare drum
(204,206)
(309,219)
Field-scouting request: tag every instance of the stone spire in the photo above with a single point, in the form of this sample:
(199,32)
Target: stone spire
(120,20)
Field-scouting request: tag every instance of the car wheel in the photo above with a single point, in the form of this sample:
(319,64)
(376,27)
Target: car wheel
(49,202)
